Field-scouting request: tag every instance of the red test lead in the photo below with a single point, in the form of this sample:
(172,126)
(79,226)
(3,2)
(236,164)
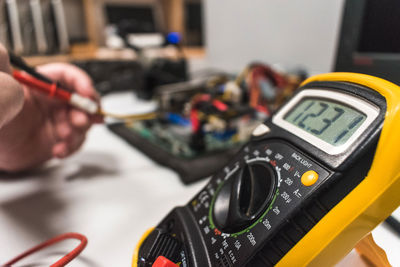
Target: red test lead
(61,262)
(53,90)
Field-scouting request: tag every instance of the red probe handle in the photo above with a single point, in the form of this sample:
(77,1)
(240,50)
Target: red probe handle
(52,90)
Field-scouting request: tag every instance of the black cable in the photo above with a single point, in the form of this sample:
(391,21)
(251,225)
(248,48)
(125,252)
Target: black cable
(20,63)
(394,224)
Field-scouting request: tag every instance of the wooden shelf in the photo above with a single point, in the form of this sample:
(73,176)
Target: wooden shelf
(194,52)
(90,52)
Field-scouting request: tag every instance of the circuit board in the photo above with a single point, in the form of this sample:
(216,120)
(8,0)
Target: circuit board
(199,124)
(191,167)
(177,140)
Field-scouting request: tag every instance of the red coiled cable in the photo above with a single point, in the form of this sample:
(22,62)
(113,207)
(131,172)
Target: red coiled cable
(64,260)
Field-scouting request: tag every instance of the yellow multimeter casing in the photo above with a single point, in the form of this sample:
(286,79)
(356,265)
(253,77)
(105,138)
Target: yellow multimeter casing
(221,227)
(367,205)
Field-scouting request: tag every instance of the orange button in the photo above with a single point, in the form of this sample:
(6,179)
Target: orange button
(309,178)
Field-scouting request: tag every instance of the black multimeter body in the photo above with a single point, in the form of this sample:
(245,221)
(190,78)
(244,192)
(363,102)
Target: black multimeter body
(257,208)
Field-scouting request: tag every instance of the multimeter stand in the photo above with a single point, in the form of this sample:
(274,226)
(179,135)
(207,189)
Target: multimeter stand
(373,253)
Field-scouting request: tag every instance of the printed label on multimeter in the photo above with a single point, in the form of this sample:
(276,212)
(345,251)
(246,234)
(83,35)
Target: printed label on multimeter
(318,147)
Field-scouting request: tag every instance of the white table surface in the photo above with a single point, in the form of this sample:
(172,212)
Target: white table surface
(108,191)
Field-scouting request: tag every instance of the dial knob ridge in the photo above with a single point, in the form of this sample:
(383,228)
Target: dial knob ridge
(244,196)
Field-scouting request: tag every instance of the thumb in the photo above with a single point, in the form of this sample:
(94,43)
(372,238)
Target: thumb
(11,98)
(4,60)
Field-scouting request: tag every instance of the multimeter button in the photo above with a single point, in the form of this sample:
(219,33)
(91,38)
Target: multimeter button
(159,243)
(271,254)
(283,244)
(259,261)
(293,232)
(305,221)
(316,212)
(261,130)
(309,178)
(163,262)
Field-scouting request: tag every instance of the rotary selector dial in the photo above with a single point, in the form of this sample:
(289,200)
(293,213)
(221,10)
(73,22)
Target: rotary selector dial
(244,196)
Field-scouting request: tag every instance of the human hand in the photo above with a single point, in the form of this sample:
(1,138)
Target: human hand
(45,128)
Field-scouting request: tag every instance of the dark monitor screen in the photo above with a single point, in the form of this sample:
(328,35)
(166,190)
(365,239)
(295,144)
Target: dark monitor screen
(380,30)
(134,19)
(370,39)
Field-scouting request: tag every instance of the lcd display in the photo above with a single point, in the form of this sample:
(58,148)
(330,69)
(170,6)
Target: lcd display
(328,120)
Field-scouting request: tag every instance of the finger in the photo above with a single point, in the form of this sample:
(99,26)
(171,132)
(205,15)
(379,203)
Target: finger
(79,119)
(60,150)
(11,98)
(71,76)
(62,125)
(97,119)
(4,60)
(67,147)
(75,143)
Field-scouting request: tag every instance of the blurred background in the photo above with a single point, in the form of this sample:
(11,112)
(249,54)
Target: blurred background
(227,34)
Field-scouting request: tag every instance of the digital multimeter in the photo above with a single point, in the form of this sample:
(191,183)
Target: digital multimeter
(315,178)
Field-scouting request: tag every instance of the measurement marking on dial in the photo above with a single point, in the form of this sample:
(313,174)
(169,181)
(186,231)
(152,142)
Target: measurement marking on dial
(257,162)
(278,172)
(231,172)
(266,159)
(225,235)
